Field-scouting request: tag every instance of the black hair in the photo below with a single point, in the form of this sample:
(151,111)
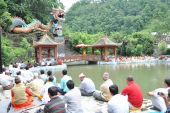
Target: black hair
(50,78)
(70,84)
(27,68)
(167,82)
(17,80)
(114,89)
(64,72)
(130,78)
(42,71)
(169,93)
(19,73)
(49,73)
(52,91)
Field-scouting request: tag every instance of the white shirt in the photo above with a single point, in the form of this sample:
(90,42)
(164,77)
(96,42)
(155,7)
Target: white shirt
(118,104)
(44,92)
(27,75)
(5,80)
(87,85)
(73,101)
(44,77)
(157,100)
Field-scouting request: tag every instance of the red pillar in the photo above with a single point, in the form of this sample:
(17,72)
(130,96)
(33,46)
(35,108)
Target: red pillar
(36,56)
(40,54)
(49,53)
(115,53)
(56,53)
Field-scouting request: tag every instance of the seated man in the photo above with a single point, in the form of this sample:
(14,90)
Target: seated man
(43,76)
(134,94)
(7,82)
(118,103)
(35,85)
(157,100)
(64,80)
(104,93)
(56,103)
(73,99)
(167,100)
(49,73)
(21,96)
(87,86)
(44,91)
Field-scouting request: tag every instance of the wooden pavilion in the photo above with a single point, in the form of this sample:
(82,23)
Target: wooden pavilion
(46,44)
(104,44)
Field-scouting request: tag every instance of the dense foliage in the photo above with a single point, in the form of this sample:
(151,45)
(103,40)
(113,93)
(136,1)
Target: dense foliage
(27,10)
(128,16)
(129,21)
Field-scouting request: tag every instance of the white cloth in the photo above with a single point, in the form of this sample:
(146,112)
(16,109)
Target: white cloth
(44,77)
(44,92)
(157,100)
(27,75)
(87,85)
(73,101)
(14,71)
(5,80)
(118,104)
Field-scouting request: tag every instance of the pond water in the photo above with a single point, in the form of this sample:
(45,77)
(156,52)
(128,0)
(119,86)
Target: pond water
(147,76)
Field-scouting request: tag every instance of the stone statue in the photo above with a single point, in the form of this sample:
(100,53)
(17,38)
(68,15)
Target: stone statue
(55,24)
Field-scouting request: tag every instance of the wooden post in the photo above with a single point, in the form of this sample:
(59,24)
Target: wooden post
(93,54)
(56,53)
(115,53)
(48,53)
(105,53)
(36,56)
(40,54)
(101,50)
(84,53)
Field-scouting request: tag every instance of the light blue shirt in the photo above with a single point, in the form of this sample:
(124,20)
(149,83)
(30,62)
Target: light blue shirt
(63,82)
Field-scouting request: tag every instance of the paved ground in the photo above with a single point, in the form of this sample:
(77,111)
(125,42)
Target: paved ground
(90,105)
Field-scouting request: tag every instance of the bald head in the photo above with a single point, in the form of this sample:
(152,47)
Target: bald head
(105,76)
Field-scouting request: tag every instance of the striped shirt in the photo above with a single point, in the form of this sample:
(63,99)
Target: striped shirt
(55,105)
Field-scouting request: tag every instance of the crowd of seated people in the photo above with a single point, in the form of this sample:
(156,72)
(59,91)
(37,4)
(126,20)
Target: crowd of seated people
(64,97)
(136,59)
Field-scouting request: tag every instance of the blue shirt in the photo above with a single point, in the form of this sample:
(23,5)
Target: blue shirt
(63,82)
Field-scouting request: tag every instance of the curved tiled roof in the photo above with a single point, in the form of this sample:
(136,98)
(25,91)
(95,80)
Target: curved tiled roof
(45,40)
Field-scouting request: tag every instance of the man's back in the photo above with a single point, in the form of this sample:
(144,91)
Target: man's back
(64,80)
(104,88)
(55,105)
(118,104)
(134,94)
(87,85)
(73,101)
(44,92)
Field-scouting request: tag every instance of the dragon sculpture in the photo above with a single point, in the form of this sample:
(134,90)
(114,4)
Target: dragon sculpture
(54,26)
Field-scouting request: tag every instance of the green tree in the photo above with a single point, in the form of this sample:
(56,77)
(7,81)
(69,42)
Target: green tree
(162,47)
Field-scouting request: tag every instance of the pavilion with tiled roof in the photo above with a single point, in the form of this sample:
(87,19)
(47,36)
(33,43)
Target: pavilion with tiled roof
(45,43)
(104,44)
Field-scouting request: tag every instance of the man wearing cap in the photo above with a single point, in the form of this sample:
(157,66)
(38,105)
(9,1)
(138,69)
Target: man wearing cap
(87,86)
(104,93)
